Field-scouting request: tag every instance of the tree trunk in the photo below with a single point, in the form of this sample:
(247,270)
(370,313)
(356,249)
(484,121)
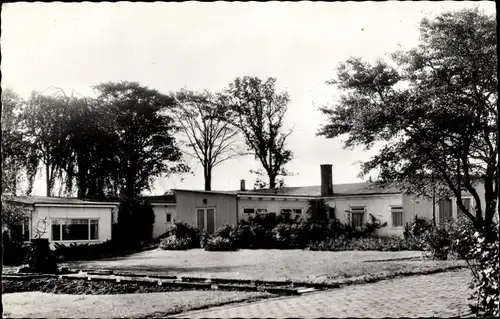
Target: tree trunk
(207,172)
(272,181)
(47,179)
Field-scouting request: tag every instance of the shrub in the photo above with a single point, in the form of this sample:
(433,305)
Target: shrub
(219,243)
(437,242)
(242,236)
(183,230)
(292,236)
(343,243)
(415,229)
(486,272)
(14,252)
(176,243)
(87,251)
(40,258)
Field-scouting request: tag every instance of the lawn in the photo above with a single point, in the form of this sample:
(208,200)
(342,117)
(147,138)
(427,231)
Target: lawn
(45,305)
(297,265)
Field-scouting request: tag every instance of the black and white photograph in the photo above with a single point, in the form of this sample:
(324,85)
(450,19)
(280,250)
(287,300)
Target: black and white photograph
(250,159)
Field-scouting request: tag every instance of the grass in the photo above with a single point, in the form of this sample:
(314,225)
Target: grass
(46,305)
(296,265)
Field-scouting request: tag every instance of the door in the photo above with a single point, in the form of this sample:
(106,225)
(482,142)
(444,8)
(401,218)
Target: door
(206,219)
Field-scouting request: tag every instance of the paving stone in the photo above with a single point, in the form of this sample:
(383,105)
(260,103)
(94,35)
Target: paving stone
(437,295)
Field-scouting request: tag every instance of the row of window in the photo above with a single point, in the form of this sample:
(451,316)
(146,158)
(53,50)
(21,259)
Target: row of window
(297,211)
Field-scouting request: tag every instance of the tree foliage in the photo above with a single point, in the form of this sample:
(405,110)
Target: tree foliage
(211,139)
(14,147)
(44,121)
(258,111)
(433,111)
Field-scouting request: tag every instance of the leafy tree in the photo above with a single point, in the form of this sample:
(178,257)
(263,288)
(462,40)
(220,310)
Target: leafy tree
(145,144)
(258,111)
(92,151)
(211,138)
(12,213)
(44,121)
(14,148)
(433,111)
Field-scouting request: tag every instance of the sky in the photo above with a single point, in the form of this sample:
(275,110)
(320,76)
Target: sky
(195,45)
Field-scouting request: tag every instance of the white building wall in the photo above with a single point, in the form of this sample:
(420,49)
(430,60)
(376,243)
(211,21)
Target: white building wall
(377,205)
(161,224)
(48,213)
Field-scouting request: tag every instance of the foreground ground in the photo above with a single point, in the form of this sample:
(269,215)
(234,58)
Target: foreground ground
(46,305)
(439,295)
(268,264)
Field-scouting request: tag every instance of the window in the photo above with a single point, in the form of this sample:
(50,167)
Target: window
(248,210)
(74,229)
(254,210)
(397,216)
(357,216)
(297,211)
(21,231)
(168,217)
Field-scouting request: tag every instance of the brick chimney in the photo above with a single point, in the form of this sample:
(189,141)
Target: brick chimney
(242,185)
(326,180)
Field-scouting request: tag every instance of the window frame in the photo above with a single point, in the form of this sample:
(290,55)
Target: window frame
(167,214)
(358,210)
(60,224)
(249,208)
(292,210)
(397,209)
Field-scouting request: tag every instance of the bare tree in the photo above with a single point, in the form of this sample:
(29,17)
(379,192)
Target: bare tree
(258,111)
(211,139)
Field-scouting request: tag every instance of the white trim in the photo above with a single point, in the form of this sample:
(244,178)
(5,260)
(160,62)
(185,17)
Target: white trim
(78,205)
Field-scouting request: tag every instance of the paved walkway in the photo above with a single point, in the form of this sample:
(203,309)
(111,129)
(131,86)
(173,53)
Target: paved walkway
(439,295)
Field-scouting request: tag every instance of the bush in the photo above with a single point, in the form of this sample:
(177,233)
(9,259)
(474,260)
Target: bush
(450,239)
(242,236)
(291,236)
(87,251)
(415,230)
(486,276)
(40,258)
(343,243)
(183,232)
(14,253)
(219,243)
(438,241)
(176,243)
